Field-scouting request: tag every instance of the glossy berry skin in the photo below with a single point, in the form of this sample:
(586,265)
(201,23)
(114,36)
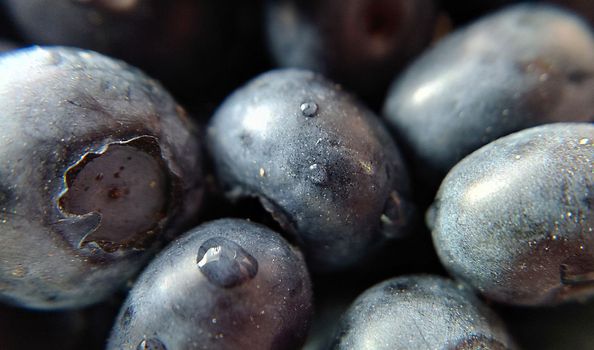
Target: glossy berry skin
(359,43)
(514,219)
(98,164)
(227,284)
(517,68)
(319,162)
(420,312)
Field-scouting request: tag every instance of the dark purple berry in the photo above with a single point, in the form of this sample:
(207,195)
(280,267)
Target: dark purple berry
(98,166)
(319,161)
(227,284)
(515,219)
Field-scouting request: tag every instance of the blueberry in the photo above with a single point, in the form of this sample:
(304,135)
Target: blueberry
(319,162)
(98,165)
(420,312)
(523,66)
(227,284)
(514,219)
(360,43)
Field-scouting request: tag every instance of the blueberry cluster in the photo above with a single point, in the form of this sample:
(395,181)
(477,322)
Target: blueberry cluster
(296,174)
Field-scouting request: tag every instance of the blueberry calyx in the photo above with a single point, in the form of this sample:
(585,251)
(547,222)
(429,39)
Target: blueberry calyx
(128,177)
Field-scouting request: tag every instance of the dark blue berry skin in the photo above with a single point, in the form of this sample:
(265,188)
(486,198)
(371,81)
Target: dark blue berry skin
(514,219)
(420,312)
(227,284)
(523,66)
(319,162)
(359,43)
(98,165)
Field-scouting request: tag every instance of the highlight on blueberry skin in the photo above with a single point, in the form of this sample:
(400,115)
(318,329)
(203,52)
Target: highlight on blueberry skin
(526,65)
(420,312)
(359,43)
(515,218)
(227,284)
(98,166)
(318,161)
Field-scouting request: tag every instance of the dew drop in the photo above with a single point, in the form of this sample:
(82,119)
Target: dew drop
(317,174)
(309,109)
(151,344)
(583,141)
(225,263)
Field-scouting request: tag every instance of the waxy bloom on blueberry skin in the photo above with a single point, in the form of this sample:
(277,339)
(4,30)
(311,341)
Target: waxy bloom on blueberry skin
(515,218)
(98,164)
(227,284)
(320,162)
(420,312)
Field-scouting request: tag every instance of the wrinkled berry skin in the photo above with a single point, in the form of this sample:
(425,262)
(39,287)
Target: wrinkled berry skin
(319,161)
(359,43)
(98,164)
(248,290)
(523,66)
(514,219)
(420,312)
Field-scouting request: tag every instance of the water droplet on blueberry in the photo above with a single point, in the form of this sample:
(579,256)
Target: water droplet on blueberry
(309,109)
(318,174)
(225,263)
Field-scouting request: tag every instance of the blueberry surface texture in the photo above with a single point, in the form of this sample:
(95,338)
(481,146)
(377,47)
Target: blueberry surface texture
(526,65)
(515,218)
(98,164)
(227,284)
(319,161)
(420,312)
(359,43)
